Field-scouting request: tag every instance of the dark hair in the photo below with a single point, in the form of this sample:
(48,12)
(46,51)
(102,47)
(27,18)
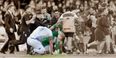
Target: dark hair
(110,12)
(26,7)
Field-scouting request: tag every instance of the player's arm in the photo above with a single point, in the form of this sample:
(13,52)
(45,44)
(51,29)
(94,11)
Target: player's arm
(56,24)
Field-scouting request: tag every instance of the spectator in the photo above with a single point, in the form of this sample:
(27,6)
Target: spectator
(10,29)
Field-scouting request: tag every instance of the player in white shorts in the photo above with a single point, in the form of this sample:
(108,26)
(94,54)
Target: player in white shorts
(41,40)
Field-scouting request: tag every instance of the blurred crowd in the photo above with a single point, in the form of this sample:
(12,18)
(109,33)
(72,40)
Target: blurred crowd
(23,16)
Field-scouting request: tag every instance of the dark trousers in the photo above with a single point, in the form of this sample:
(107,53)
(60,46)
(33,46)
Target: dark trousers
(22,40)
(11,37)
(92,35)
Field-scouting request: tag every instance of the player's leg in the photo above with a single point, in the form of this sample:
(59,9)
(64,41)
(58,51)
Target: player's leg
(36,45)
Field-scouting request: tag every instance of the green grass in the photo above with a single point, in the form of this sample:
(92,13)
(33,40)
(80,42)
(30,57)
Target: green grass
(49,56)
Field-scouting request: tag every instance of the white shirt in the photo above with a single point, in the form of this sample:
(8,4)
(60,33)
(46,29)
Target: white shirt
(93,18)
(40,32)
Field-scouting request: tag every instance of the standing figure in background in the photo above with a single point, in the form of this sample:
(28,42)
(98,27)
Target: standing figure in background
(10,29)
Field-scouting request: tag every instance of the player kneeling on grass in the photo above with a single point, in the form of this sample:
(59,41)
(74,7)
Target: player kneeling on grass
(41,40)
